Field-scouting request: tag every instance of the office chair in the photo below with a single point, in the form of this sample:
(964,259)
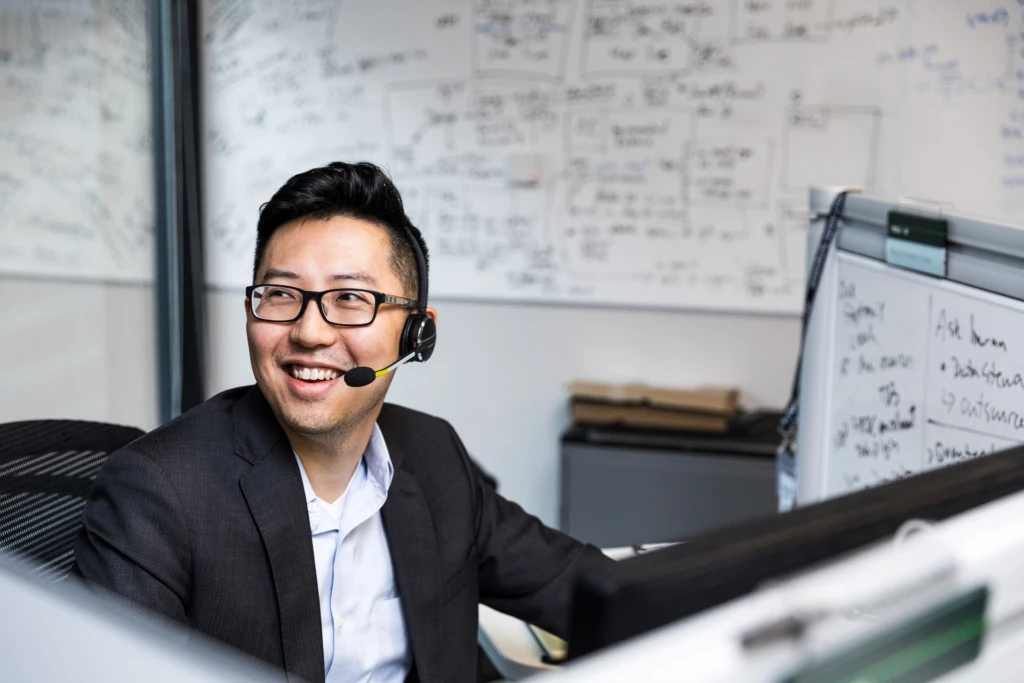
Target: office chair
(47,469)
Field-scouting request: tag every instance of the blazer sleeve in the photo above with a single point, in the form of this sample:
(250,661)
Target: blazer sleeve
(133,540)
(526,569)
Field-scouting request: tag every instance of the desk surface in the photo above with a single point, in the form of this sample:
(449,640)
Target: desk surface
(507,642)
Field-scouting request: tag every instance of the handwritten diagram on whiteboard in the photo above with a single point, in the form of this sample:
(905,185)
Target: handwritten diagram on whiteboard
(924,374)
(675,140)
(76,179)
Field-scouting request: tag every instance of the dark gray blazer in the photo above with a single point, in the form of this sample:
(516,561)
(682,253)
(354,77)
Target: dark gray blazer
(204,521)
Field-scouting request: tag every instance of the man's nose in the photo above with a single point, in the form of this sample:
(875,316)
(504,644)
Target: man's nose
(312,329)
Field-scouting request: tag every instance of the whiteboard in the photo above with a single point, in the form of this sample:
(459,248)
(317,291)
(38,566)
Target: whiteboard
(923,373)
(76,162)
(676,140)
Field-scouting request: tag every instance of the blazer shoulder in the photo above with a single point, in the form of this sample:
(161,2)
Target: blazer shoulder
(418,441)
(192,434)
(406,420)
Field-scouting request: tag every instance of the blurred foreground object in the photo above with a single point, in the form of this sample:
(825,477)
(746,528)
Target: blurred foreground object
(68,633)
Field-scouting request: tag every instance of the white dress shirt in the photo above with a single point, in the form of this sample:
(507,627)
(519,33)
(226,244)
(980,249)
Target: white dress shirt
(360,612)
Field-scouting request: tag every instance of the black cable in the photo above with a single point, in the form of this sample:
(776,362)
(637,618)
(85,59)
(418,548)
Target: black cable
(789,416)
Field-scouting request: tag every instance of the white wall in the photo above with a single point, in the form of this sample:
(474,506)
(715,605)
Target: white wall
(82,351)
(501,372)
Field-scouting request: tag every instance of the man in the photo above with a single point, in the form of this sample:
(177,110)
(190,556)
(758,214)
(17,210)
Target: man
(304,520)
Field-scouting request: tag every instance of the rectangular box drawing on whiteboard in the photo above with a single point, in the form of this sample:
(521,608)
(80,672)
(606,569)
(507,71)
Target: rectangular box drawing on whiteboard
(903,372)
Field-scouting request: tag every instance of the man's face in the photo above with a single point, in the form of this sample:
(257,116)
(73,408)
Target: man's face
(315,255)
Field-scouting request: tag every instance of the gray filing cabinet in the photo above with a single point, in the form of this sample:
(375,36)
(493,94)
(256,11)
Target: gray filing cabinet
(622,486)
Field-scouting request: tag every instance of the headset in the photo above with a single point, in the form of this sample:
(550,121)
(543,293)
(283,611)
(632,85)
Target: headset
(419,335)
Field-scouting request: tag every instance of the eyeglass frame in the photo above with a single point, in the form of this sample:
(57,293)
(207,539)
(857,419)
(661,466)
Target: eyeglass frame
(378,297)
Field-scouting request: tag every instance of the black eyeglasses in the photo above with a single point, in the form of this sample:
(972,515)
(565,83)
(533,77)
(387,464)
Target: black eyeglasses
(344,307)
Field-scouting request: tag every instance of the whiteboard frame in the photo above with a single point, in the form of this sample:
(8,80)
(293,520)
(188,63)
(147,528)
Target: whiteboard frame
(983,254)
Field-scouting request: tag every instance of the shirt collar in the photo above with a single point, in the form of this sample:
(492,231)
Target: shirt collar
(377,460)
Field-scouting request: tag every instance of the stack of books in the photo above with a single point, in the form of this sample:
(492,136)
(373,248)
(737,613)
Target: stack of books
(706,409)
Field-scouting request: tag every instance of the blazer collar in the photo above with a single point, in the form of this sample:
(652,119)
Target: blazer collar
(273,491)
(256,429)
(395,437)
(414,556)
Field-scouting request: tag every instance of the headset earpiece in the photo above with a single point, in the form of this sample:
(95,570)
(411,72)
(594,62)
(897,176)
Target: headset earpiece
(419,335)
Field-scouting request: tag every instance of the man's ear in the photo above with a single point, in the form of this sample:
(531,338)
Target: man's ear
(432,314)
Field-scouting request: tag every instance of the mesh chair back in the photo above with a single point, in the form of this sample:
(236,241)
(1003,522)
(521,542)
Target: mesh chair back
(47,469)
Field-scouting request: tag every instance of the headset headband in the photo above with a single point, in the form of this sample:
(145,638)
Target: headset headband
(421,268)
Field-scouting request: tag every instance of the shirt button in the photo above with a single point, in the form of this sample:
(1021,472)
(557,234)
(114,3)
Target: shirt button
(312,506)
(341,624)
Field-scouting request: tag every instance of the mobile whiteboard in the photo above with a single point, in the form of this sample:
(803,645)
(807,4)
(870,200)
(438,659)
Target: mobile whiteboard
(904,372)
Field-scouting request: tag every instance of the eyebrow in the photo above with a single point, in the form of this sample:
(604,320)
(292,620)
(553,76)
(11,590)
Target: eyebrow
(278,274)
(365,278)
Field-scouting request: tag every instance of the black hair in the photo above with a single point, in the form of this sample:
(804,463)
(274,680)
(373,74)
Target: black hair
(361,191)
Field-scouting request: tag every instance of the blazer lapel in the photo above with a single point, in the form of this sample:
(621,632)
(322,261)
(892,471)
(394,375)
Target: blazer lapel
(417,569)
(273,491)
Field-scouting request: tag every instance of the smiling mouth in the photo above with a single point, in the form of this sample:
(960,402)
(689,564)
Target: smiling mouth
(312,373)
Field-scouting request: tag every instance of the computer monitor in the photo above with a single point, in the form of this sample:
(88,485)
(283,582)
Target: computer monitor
(616,602)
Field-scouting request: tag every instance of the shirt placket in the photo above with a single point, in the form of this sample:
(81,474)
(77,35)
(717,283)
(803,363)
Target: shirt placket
(346,605)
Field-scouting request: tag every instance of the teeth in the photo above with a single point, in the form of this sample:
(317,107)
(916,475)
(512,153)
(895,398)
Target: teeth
(314,374)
